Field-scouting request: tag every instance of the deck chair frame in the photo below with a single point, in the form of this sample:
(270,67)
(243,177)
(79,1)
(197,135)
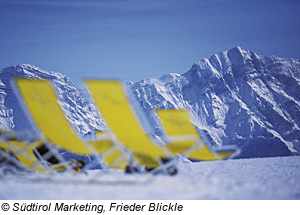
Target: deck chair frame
(179,128)
(110,97)
(8,156)
(28,157)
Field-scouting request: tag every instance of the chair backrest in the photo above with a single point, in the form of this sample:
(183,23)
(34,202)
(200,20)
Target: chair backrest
(182,133)
(114,106)
(40,99)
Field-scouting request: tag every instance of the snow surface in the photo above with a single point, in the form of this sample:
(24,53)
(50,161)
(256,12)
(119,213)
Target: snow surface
(260,178)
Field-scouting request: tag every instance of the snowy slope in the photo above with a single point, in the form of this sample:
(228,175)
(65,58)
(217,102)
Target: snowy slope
(76,109)
(234,97)
(261,178)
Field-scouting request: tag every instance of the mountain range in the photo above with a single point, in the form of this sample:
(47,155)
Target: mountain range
(235,97)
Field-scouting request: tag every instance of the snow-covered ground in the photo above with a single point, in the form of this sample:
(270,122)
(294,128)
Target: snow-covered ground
(261,178)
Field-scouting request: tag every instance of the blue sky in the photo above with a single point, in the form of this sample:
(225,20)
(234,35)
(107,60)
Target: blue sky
(136,39)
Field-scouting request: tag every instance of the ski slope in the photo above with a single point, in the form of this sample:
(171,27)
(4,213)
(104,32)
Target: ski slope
(261,178)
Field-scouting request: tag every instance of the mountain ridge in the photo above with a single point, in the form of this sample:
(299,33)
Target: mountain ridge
(74,105)
(235,97)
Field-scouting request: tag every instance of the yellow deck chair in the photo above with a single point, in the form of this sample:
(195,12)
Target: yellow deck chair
(40,98)
(184,137)
(24,153)
(113,104)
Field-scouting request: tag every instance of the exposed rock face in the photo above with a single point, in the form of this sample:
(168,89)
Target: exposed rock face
(76,109)
(235,97)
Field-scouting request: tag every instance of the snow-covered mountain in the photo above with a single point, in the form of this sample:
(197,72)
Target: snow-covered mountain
(235,97)
(78,112)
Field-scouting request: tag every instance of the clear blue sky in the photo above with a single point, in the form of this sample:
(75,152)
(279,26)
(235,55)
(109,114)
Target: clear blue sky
(136,39)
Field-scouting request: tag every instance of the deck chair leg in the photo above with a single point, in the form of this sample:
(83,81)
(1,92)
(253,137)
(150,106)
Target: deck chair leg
(97,161)
(50,157)
(168,167)
(7,159)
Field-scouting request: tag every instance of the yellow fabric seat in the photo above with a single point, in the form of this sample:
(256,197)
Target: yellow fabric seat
(185,138)
(113,105)
(41,101)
